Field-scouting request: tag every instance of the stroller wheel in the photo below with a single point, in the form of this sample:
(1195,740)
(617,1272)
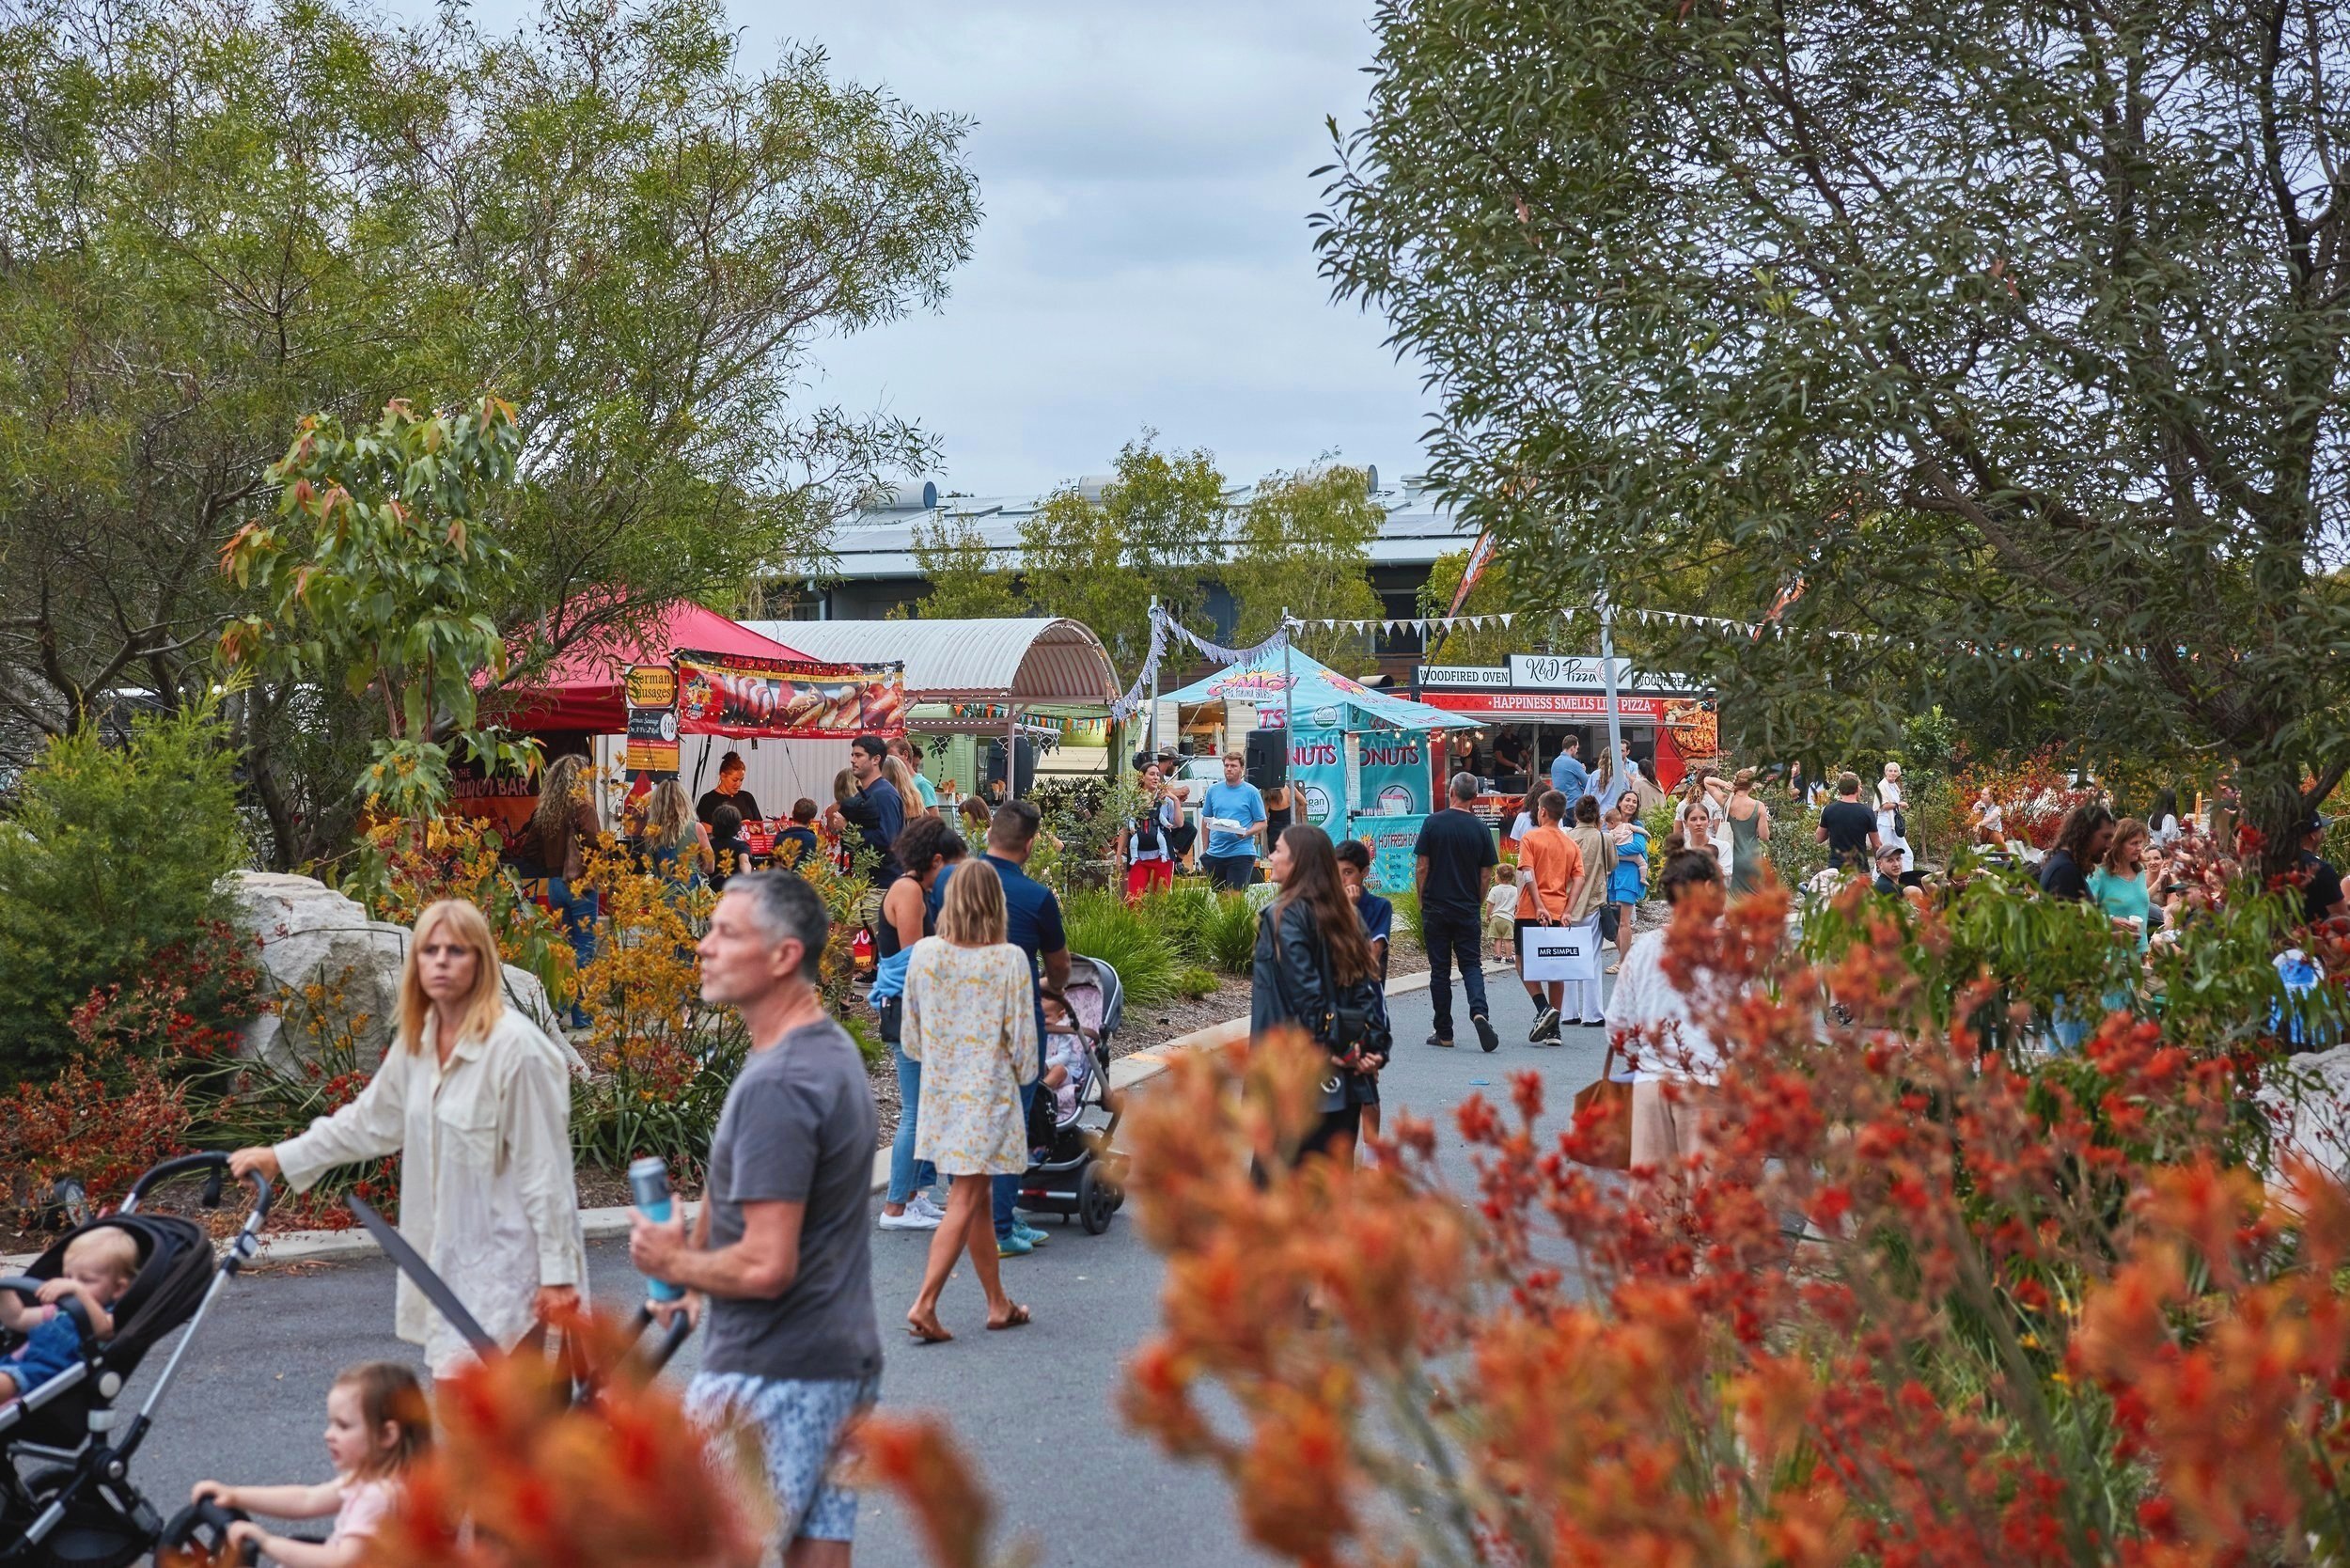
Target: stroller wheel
(1097,1199)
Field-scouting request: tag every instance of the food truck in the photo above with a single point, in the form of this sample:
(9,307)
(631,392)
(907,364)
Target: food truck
(1528,706)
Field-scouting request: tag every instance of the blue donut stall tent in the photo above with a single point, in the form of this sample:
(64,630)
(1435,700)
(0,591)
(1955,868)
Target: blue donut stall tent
(1361,761)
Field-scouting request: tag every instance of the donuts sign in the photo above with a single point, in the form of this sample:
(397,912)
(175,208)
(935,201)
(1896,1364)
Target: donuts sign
(787,698)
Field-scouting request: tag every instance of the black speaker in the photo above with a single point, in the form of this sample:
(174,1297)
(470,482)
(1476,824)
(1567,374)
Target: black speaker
(1264,756)
(1026,785)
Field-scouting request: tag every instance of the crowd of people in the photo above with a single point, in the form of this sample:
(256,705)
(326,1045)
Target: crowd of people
(973,967)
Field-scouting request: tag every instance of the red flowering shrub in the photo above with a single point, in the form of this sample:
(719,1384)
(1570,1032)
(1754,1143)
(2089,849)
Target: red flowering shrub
(1919,1301)
(184,1006)
(2033,794)
(102,1120)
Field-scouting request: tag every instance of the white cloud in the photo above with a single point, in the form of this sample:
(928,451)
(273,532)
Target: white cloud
(1145,258)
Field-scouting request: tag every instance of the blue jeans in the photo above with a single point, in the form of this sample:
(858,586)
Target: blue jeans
(1007,1188)
(907,1175)
(577,912)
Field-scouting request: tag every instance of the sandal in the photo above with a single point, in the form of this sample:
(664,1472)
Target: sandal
(1611,968)
(931,1333)
(1018,1318)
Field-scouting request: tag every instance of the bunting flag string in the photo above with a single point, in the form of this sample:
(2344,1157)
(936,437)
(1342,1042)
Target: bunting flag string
(1164,626)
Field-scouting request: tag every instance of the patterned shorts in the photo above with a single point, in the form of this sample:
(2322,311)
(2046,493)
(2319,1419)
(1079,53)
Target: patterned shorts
(799,1423)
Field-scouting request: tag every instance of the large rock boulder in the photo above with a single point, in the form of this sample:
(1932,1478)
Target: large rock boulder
(335,973)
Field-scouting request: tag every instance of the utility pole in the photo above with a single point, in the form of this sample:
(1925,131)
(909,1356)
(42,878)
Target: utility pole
(1150,729)
(1289,733)
(1607,677)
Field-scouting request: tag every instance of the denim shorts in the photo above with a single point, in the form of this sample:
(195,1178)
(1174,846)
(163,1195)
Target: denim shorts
(799,1423)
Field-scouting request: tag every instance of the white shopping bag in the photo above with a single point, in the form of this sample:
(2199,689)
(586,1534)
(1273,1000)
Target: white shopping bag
(1562,952)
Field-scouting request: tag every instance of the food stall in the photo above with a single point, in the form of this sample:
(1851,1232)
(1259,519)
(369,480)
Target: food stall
(1362,763)
(665,700)
(1532,704)
(1039,687)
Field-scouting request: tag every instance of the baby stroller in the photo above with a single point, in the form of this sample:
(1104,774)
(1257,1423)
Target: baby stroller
(65,1495)
(1074,1170)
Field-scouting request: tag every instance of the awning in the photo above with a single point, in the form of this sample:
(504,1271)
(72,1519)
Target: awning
(582,690)
(1035,660)
(1318,696)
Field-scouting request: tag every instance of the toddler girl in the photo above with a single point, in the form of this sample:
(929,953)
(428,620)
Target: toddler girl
(376,1427)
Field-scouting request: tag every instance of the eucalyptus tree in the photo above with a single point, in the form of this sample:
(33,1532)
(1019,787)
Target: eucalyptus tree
(1992,351)
(219,219)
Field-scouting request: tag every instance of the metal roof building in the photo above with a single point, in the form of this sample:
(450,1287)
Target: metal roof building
(1039,660)
(876,570)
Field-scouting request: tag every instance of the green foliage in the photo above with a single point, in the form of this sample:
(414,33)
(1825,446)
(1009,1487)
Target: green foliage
(108,857)
(1081,819)
(223,218)
(1468,645)
(1231,934)
(1797,854)
(1407,915)
(1102,926)
(1184,913)
(1152,530)
(2030,388)
(378,579)
(1197,985)
(968,580)
(1304,544)
(1929,741)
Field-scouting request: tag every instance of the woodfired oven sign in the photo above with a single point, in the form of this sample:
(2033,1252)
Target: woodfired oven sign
(788,699)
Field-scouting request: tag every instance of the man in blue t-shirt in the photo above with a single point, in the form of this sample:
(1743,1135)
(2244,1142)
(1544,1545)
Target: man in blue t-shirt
(1032,923)
(1567,775)
(1234,814)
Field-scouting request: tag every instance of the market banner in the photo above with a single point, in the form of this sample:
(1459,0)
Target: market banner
(744,697)
(1318,776)
(1391,774)
(1391,841)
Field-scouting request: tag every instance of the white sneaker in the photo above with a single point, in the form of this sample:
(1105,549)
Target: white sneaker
(911,1220)
(925,1203)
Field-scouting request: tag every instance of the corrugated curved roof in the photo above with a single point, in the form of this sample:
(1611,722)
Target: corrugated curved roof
(1042,659)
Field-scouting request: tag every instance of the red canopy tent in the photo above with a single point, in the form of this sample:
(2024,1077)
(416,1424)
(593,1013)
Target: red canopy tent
(585,690)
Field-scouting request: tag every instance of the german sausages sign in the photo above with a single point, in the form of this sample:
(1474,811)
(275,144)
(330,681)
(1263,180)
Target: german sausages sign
(744,697)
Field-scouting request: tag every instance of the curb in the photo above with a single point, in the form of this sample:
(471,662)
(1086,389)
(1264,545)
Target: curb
(604,1224)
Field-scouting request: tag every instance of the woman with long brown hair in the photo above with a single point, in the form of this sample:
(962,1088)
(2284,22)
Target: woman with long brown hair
(477,1101)
(1314,971)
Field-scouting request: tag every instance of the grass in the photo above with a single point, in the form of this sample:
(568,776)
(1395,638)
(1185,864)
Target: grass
(1407,915)
(1197,984)
(1102,926)
(1184,914)
(1231,936)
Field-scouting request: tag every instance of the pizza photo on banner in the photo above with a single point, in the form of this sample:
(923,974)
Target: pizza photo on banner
(746,698)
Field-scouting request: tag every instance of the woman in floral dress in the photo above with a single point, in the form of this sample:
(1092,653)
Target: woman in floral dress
(970,1020)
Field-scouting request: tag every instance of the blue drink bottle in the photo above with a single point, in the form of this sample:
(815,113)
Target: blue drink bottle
(649,1184)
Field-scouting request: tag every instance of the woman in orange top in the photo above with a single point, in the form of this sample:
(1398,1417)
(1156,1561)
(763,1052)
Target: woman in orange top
(1550,871)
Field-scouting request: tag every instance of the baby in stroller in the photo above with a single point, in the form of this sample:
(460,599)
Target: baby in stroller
(99,1267)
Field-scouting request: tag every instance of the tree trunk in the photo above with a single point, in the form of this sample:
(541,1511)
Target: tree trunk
(2276,804)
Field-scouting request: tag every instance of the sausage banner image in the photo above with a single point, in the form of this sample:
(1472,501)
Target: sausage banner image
(744,697)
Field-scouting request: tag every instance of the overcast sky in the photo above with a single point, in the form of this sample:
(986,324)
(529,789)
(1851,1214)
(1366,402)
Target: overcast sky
(1144,258)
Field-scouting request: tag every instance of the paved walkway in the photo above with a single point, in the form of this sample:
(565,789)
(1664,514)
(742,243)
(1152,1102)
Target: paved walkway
(1033,1404)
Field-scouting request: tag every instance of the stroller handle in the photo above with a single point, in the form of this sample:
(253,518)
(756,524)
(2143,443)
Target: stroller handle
(667,1343)
(208,1518)
(16,1284)
(210,1160)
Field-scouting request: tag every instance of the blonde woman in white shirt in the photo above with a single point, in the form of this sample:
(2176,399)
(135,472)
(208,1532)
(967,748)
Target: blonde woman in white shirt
(1888,811)
(475,1100)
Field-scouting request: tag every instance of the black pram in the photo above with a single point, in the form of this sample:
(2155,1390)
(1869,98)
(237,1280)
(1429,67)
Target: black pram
(65,1495)
(1072,1169)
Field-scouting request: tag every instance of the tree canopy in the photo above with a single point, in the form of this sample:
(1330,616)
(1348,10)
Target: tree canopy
(1302,543)
(217,219)
(1155,529)
(1998,349)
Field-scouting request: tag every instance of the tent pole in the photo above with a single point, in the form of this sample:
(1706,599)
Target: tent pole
(1289,728)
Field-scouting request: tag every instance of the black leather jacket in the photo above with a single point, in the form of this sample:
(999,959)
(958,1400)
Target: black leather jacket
(1285,982)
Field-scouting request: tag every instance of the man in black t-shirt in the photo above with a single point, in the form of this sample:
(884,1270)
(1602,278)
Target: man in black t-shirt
(1454,869)
(1848,828)
(2321,895)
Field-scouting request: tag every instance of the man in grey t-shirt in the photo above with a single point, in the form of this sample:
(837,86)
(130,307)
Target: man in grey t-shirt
(779,1260)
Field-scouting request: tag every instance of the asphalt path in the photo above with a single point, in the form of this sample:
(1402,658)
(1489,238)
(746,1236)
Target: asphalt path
(1033,1406)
